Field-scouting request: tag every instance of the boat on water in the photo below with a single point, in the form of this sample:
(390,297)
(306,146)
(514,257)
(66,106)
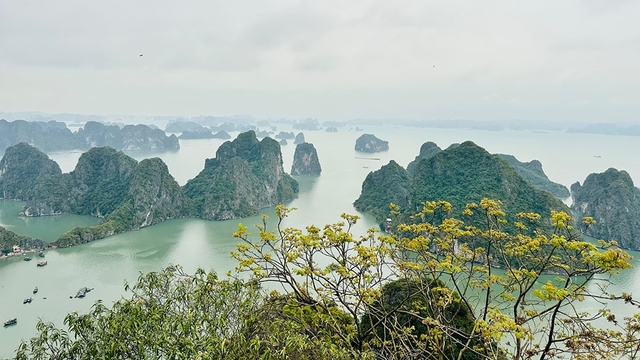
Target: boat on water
(41,254)
(42,263)
(35,290)
(11,322)
(27,300)
(83,292)
(26,258)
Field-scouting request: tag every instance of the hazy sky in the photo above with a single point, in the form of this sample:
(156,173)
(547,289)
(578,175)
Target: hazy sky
(332,60)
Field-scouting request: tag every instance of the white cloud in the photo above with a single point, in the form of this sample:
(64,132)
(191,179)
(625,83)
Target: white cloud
(329,59)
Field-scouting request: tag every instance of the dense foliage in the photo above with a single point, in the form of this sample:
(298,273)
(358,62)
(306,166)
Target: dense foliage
(245,176)
(468,173)
(415,294)
(23,170)
(614,202)
(533,173)
(427,151)
(8,239)
(390,184)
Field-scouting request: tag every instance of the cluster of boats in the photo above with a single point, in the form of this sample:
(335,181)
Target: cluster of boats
(80,294)
(40,263)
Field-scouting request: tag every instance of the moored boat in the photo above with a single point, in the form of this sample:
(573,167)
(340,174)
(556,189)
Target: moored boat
(11,322)
(41,254)
(35,290)
(26,258)
(27,300)
(82,292)
(42,263)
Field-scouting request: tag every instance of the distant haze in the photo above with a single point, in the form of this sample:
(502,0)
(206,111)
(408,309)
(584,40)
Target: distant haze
(331,60)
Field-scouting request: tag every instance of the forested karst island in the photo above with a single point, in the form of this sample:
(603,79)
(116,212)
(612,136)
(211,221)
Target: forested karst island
(305,160)
(460,174)
(613,201)
(55,136)
(245,176)
(369,143)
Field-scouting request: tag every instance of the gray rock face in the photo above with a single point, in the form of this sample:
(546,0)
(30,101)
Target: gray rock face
(305,161)
(612,200)
(245,176)
(299,139)
(282,142)
(370,144)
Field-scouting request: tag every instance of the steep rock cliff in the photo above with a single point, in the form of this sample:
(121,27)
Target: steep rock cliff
(24,170)
(299,139)
(427,151)
(371,144)
(613,201)
(245,176)
(389,184)
(305,161)
(533,173)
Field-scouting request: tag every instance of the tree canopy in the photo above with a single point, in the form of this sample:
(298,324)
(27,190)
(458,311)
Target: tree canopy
(437,287)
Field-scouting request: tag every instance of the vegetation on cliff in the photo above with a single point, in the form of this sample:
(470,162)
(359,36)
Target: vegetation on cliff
(8,239)
(105,183)
(427,151)
(389,184)
(533,173)
(461,174)
(24,171)
(468,173)
(245,176)
(614,202)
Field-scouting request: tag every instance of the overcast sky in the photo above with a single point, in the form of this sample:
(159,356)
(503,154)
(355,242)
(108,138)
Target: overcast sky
(331,60)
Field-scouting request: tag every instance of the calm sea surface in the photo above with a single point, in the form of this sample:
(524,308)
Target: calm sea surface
(106,264)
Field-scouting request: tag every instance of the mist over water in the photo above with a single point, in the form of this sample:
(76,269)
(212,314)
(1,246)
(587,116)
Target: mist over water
(106,264)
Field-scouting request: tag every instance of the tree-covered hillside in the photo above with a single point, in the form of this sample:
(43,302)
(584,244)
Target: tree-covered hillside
(614,202)
(469,173)
(533,173)
(245,176)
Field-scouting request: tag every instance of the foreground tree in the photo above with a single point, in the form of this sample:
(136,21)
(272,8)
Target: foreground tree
(521,289)
(437,288)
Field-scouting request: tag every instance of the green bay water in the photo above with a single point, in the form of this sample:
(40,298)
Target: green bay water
(106,264)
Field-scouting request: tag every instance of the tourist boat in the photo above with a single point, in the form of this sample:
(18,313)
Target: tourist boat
(42,263)
(26,258)
(27,300)
(82,292)
(11,322)
(35,290)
